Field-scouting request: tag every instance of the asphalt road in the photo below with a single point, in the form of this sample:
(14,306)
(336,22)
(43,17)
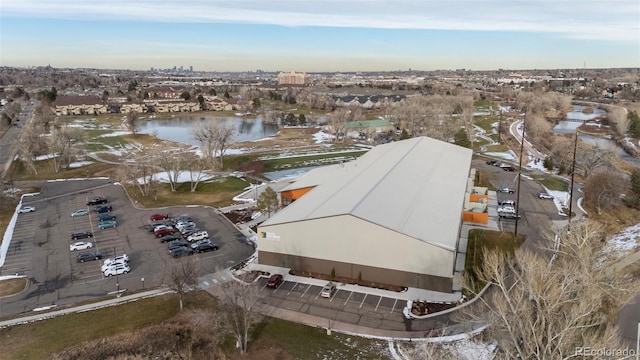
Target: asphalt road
(40,246)
(8,141)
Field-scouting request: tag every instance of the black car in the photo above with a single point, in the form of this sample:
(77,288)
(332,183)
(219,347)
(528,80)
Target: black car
(169,238)
(493,163)
(181,251)
(102,209)
(97,200)
(177,243)
(206,246)
(88,256)
(508,168)
(81,235)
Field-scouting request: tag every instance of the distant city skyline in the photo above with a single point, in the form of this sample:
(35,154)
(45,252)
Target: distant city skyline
(329,35)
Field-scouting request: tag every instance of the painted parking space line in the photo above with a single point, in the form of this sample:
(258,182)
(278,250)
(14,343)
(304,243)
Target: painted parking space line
(378,304)
(394,306)
(293,288)
(305,291)
(348,297)
(363,299)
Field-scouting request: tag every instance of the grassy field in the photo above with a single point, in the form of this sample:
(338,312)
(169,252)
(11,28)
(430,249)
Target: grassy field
(41,339)
(217,193)
(551,182)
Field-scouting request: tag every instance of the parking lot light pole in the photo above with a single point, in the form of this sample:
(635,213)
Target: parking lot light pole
(142,279)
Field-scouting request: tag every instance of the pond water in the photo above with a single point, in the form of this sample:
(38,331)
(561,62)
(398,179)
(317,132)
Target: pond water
(575,118)
(289,173)
(178,128)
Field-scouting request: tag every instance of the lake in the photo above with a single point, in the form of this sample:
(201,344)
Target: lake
(178,128)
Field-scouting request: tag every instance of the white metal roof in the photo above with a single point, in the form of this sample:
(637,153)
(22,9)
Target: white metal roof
(415,186)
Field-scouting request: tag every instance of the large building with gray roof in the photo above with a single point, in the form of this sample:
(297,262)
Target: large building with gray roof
(393,216)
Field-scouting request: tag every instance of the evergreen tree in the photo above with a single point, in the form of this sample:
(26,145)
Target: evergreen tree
(461,139)
(268,201)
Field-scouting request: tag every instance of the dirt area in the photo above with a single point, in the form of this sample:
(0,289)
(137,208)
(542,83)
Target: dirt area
(286,138)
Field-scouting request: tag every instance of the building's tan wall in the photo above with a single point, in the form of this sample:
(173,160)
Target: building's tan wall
(350,240)
(355,271)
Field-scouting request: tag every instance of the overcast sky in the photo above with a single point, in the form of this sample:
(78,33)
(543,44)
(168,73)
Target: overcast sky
(320,35)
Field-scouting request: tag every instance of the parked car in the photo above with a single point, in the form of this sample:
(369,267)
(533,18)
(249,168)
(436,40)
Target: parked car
(81,235)
(155,217)
(107,224)
(176,243)
(116,258)
(505,189)
(181,251)
(163,232)
(113,263)
(80,245)
(198,236)
(510,215)
(328,290)
(508,168)
(199,242)
(181,218)
(274,281)
(26,209)
(493,163)
(88,256)
(105,217)
(189,232)
(168,238)
(186,224)
(80,212)
(506,209)
(507,202)
(97,200)
(544,195)
(103,209)
(117,270)
(206,246)
(162,227)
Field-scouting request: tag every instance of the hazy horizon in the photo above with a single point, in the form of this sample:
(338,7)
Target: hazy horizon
(326,36)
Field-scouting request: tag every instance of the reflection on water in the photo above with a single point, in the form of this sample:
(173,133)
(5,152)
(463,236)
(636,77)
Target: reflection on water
(178,129)
(575,118)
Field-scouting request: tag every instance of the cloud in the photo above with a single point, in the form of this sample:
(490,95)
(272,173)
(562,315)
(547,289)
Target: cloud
(615,20)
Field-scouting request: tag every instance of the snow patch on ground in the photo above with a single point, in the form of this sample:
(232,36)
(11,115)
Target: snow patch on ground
(624,242)
(502,155)
(184,176)
(116,133)
(78,164)
(321,137)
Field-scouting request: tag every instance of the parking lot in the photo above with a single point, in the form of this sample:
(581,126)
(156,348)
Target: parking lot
(363,308)
(40,246)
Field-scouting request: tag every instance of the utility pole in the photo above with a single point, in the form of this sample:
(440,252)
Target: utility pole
(573,171)
(524,127)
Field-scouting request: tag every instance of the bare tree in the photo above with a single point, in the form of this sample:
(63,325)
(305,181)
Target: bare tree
(542,308)
(213,137)
(603,190)
(183,278)
(172,164)
(31,144)
(592,157)
(238,300)
(10,112)
(618,116)
(338,121)
(139,173)
(196,168)
(62,146)
(131,120)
